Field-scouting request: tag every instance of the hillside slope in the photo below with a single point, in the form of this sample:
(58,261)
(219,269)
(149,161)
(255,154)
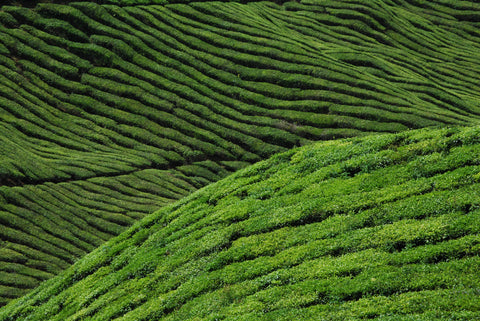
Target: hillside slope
(109,113)
(381,227)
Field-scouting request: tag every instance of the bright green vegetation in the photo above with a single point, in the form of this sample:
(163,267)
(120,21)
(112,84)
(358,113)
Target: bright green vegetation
(108,113)
(379,227)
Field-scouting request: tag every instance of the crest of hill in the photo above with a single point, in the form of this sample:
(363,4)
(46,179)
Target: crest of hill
(381,227)
(108,112)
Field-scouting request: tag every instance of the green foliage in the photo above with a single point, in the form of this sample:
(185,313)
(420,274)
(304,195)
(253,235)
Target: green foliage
(112,109)
(358,235)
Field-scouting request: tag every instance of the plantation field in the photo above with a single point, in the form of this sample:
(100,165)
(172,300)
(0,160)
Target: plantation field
(108,113)
(47,227)
(382,227)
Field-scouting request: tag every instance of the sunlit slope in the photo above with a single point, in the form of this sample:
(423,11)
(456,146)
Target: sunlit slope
(109,113)
(380,227)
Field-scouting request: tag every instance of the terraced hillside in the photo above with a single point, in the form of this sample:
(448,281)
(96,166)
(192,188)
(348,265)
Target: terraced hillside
(46,227)
(108,113)
(381,227)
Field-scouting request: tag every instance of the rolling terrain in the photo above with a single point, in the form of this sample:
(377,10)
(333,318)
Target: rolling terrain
(382,227)
(108,113)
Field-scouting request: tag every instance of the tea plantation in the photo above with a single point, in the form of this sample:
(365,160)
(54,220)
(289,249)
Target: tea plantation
(111,110)
(381,227)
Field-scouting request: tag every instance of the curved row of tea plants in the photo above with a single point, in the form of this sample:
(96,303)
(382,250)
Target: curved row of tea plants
(94,95)
(47,227)
(381,227)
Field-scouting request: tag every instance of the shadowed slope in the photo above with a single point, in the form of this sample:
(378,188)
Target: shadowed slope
(108,113)
(384,227)
(47,227)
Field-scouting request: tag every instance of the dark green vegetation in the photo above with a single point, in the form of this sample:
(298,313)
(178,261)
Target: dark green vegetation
(379,227)
(46,227)
(109,113)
